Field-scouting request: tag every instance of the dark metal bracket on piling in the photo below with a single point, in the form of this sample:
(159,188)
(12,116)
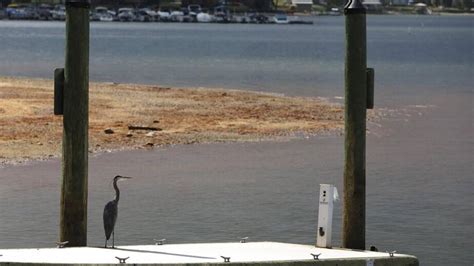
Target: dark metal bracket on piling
(59,91)
(370,87)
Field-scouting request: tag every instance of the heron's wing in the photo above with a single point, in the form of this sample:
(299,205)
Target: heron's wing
(110,216)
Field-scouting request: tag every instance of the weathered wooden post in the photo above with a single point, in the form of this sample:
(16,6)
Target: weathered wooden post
(73,221)
(353,235)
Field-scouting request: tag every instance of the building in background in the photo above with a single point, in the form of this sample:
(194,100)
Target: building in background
(302,5)
(373,6)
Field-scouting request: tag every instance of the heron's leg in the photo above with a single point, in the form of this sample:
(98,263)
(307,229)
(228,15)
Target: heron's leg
(105,246)
(113,239)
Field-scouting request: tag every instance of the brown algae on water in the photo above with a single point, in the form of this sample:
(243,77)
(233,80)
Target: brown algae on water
(128,116)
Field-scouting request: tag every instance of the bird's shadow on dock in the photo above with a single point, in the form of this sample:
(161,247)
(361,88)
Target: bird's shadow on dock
(158,253)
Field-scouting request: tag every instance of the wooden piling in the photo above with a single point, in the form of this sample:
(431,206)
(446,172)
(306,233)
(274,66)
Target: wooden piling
(73,219)
(353,235)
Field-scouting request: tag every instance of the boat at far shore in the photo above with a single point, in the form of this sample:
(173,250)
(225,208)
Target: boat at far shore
(299,20)
(281,18)
(193,13)
(203,17)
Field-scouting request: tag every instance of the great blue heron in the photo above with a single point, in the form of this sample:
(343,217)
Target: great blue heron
(111,211)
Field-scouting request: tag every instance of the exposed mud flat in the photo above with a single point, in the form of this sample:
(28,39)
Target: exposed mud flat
(130,116)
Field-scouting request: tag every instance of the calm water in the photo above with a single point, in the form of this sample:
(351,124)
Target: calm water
(419,162)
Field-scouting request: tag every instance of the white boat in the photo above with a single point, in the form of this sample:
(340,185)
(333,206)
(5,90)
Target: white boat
(103,14)
(106,17)
(59,12)
(194,10)
(203,17)
(334,12)
(422,9)
(298,20)
(281,18)
(126,14)
(177,16)
(164,15)
(149,14)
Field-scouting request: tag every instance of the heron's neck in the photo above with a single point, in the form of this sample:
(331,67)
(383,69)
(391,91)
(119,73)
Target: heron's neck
(117,191)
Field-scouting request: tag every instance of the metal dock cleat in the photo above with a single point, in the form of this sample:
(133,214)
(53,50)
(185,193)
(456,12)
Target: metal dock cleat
(159,242)
(61,244)
(226,259)
(391,253)
(122,260)
(316,256)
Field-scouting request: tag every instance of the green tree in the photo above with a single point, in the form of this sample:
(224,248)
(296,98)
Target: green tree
(335,3)
(263,5)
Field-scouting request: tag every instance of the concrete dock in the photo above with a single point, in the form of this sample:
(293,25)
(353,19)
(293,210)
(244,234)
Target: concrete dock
(253,253)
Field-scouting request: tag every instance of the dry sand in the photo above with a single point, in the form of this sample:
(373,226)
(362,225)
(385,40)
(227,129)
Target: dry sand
(30,131)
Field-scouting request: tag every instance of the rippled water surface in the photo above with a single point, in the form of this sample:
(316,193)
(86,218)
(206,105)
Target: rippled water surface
(419,161)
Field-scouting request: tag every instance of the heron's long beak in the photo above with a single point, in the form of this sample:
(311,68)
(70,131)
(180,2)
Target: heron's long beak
(126,177)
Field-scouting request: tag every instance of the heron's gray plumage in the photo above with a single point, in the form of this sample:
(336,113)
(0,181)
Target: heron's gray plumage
(111,212)
(110,217)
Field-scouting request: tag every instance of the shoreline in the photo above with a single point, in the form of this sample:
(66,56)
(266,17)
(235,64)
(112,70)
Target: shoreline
(133,116)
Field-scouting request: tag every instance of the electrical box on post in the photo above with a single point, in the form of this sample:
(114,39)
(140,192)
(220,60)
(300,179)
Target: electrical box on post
(327,195)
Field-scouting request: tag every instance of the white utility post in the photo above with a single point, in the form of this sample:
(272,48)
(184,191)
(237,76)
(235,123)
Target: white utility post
(327,195)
